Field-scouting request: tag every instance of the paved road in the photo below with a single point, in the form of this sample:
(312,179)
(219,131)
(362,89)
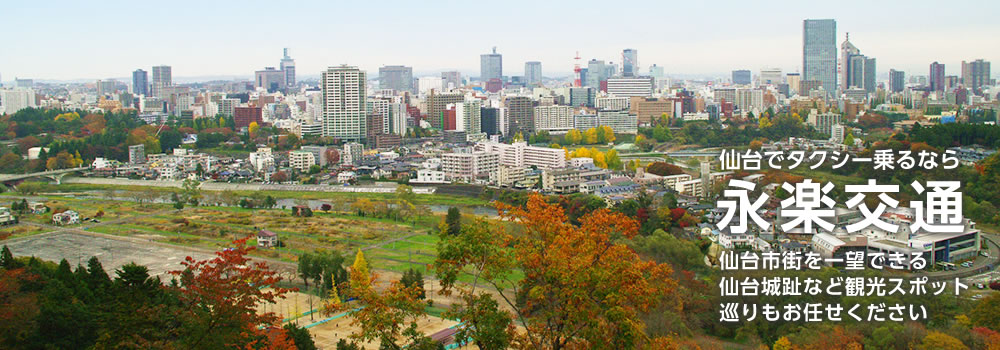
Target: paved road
(225,186)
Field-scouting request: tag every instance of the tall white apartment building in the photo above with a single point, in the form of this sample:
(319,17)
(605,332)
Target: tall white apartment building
(344,106)
(557,119)
(13,100)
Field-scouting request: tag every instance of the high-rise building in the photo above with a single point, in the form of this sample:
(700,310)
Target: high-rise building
(975,75)
(869,76)
(288,67)
(520,114)
(451,80)
(858,71)
(630,86)
(742,77)
(162,79)
(344,105)
(490,66)
(468,116)
(437,103)
(532,73)
(896,80)
(490,121)
(847,53)
(819,52)
(582,96)
(13,100)
(596,73)
(936,78)
(770,76)
(140,82)
(793,80)
(630,62)
(269,79)
(553,118)
(106,87)
(399,78)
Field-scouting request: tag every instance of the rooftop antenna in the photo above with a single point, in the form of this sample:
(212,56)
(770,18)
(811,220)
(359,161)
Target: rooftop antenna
(494,50)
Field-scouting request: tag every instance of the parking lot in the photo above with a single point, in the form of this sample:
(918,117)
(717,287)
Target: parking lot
(78,248)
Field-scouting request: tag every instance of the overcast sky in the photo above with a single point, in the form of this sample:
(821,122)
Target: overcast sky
(67,40)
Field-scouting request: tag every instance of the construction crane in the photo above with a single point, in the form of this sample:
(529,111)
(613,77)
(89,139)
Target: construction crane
(577,70)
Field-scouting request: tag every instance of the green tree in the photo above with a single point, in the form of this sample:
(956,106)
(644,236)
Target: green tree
(454,221)
(300,336)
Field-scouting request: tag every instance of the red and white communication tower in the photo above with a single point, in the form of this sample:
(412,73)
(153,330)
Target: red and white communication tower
(577,70)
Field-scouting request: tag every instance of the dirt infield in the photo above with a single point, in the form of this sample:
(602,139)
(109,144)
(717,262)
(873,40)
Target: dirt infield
(326,335)
(294,308)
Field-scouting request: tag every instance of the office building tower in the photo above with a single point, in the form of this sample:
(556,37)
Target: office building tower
(140,82)
(24,83)
(742,77)
(344,105)
(162,79)
(896,80)
(936,78)
(582,96)
(596,73)
(868,81)
(490,122)
(288,67)
(520,111)
(399,78)
(975,75)
(630,62)
(847,53)
(451,80)
(770,76)
(858,71)
(490,66)
(269,79)
(793,80)
(532,73)
(630,86)
(819,53)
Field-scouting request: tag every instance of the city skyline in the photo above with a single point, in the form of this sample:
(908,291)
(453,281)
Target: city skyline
(216,47)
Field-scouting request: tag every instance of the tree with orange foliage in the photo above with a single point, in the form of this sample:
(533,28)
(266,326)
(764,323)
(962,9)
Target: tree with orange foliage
(580,289)
(219,299)
(986,338)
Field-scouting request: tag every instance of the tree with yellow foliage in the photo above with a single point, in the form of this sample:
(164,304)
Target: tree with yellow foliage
(783,344)
(605,134)
(359,269)
(590,136)
(573,137)
(764,122)
(938,340)
(253,128)
(599,159)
